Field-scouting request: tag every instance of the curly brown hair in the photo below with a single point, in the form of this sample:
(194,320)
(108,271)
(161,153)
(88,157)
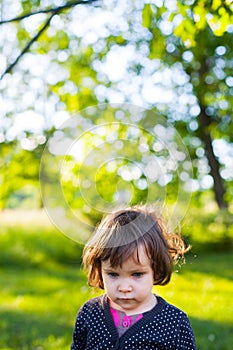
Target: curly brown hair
(118,237)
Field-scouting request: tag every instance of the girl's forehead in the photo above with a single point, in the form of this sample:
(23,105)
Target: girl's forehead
(138,258)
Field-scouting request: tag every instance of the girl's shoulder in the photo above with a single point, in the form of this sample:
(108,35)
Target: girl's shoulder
(94,303)
(166,307)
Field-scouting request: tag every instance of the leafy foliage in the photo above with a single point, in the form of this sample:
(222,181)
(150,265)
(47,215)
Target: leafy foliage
(174,57)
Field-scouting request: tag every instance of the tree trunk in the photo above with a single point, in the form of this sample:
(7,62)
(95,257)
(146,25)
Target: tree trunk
(205,135)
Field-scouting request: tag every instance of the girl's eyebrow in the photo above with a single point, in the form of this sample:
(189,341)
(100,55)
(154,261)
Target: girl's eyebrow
(137,269)
(110,269)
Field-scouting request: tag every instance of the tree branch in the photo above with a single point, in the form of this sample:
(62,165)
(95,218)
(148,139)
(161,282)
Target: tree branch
(53,12)
(55,9)
(27,47)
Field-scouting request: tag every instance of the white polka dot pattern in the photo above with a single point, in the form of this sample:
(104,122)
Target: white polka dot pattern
(165,327)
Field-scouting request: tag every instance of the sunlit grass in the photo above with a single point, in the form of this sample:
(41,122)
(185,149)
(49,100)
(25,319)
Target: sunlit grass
(42,287)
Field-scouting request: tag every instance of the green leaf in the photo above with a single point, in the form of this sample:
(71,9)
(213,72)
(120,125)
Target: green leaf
(199,14)
(147,16)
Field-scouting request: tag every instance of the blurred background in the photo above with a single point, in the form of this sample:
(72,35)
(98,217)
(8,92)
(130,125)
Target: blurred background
(105,103)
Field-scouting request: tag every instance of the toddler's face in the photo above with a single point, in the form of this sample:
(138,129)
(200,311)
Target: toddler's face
(129,287)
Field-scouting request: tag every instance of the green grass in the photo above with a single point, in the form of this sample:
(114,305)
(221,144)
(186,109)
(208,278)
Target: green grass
(42,287)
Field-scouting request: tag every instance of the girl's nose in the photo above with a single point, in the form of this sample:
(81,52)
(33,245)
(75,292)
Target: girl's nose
(124,287)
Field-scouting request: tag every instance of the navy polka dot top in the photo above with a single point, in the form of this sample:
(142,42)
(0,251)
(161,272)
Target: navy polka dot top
(165,327)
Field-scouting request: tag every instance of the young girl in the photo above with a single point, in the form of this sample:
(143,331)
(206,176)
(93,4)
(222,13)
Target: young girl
(128,254)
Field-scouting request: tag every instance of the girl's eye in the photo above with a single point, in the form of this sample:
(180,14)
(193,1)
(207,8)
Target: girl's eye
(138,274)
(112,274)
